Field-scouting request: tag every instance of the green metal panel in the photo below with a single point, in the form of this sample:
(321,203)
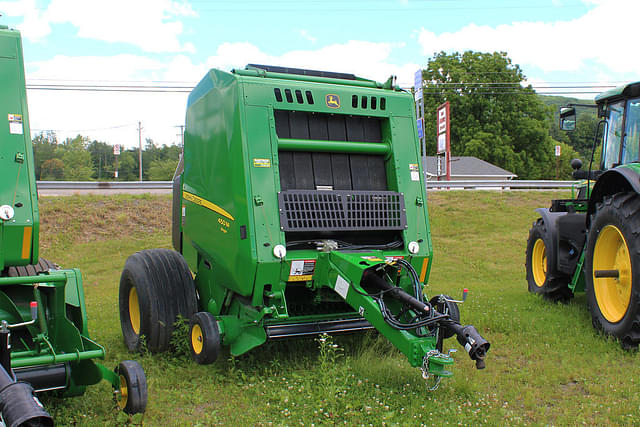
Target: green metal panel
(19,245)
(231,181)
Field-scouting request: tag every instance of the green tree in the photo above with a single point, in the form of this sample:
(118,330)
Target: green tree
(493,116)
(44,147)
(52,170)
(162,170)
(76,159)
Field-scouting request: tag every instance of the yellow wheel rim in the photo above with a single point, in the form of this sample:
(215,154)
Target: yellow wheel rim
(612,294)
(123,395)
(134,310)
(197,340)
(539,263)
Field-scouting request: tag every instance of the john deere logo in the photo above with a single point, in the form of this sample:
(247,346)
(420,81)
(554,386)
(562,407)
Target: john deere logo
(333,101)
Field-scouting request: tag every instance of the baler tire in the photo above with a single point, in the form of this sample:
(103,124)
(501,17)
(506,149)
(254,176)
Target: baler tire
(613,244)
(156,287)
(204,338)
(540,266)
(132,395)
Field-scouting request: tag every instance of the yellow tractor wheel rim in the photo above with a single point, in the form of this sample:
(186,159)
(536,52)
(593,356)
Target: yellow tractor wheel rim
(134,310)
(539,263)
(123,396)
(197,340)
(613,295)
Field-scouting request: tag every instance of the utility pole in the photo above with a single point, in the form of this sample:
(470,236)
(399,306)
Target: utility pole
(181,134)
(140,151)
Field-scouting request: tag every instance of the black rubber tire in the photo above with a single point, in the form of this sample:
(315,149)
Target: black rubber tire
(208,335)
(42,266)
(622,211)
(556,285)
(165,290)
(452,309)
(132,396)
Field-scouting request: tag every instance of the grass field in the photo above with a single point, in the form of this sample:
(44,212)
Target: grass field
(546,366)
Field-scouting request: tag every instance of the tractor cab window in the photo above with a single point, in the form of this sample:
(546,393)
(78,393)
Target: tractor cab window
(613,137)
(631,139)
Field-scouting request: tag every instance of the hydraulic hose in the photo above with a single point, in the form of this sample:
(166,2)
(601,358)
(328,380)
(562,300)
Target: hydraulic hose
(18,404)
(468,336)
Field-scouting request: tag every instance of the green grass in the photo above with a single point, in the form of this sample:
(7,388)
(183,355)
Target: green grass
(546,365)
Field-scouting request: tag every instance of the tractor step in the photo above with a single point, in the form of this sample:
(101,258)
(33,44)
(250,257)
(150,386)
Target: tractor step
(293,330)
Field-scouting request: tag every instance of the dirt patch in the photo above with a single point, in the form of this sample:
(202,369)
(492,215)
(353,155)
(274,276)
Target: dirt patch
(82,219)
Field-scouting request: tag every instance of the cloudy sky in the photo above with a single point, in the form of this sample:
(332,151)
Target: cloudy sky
(562,46)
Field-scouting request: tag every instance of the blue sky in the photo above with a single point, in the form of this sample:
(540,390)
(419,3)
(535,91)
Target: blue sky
(557,43)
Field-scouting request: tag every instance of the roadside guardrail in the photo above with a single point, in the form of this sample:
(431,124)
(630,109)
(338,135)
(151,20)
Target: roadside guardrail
(106,187)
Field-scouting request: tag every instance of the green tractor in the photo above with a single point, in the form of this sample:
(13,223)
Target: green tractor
(44,340)
(591,242)
(300,206)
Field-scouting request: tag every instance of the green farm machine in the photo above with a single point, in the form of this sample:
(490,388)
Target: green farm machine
(591,242)
(300,206)
(44,341)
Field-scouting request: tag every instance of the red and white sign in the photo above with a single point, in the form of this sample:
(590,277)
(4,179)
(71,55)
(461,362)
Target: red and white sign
(443,128)
(444,145)
(116,150)
(558,151)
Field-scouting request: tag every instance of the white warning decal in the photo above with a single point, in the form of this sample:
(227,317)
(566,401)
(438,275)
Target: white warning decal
(342,287)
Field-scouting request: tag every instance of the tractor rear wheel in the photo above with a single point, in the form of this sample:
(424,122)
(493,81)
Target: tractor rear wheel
(540,266)
(156,287)
(612,268)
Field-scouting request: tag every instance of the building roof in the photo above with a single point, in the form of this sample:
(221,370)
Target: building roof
(467,167)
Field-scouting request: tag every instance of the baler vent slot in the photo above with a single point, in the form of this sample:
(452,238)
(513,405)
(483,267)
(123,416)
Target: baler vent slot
(366,102)
(299,97)
(341,210)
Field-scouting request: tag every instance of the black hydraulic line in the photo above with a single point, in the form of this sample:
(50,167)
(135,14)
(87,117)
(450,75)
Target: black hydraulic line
(468,336)
(18,403)
(395,292)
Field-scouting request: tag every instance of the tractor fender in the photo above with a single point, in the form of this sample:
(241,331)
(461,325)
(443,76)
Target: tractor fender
(620,179)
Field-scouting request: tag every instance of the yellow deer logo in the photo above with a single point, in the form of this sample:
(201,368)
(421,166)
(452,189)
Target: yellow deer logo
(332,101)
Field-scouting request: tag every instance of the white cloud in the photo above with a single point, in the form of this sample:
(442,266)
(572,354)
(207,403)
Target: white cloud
(90,113)
(365,59)
(152,25)
(305,35)
(554,46)
(108,116)
(33,25)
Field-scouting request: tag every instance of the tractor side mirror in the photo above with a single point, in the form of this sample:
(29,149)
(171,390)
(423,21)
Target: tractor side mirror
(576,164)
(568,118)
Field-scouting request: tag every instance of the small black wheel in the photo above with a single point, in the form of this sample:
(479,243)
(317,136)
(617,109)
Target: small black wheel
(542,277)
(132,394)
(204,338)
(156,287)
(450,307)
(612,268)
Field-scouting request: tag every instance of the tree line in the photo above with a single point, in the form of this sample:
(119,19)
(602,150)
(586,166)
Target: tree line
(497,118)
(81,159)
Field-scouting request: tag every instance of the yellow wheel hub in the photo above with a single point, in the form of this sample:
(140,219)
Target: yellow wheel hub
(612,294)
(197,339)
(123,395)
(539,263)
(134,310)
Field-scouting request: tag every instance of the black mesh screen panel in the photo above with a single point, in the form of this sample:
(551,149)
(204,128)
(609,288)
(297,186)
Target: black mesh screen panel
(302,211)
